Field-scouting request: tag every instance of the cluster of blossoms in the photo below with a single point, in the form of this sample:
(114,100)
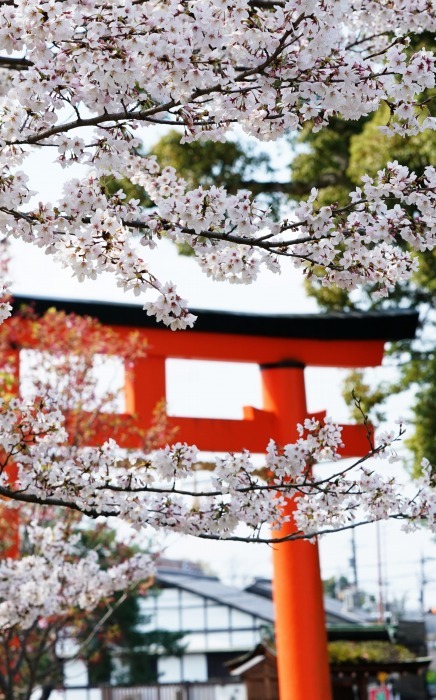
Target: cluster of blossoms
(157,490)
(381,496)
(92,232)
(80,77)
(52,579)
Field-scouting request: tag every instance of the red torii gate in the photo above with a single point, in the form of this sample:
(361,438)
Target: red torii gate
(282,346)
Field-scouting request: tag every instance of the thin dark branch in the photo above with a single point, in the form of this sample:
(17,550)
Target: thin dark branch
(298,535)
(34,660)
(270,60)
(95,121)
(108,614)
(93,513)
(23,641)
(15,63)
(266,4)
(51,501)
(365,39)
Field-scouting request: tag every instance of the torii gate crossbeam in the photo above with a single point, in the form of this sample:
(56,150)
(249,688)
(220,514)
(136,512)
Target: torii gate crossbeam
(282,346)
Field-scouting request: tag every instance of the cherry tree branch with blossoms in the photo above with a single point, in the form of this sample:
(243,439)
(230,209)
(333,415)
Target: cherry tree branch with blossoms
(51,580)
(154,490)
(58,596)
(205,65)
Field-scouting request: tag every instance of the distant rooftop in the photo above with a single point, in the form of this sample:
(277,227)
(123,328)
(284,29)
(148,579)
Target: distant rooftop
(334,609)
(255,600)
(211,588)
(180,565)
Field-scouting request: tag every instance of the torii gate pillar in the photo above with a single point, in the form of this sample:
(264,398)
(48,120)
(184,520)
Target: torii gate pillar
(297,591)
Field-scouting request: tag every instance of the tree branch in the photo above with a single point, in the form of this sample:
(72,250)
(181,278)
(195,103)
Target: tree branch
(15,63)
(298,535)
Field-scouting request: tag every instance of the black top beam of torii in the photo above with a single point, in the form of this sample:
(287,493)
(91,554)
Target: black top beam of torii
(387,325)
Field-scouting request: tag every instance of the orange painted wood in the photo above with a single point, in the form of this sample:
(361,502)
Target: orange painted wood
(149,388)
(9,522)
(258,349)
(301,638)
(208,434)
(220,435)
(355,439)
(9,517)
(247,348)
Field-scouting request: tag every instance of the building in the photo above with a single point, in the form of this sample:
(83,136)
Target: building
(360,680)
(219,622)
(225,632)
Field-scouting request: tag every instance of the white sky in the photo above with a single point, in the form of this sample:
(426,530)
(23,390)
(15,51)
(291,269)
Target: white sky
(33,273)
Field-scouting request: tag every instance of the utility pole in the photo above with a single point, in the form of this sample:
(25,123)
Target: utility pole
(423,582)
(422,586)
(353,564)
(381,605)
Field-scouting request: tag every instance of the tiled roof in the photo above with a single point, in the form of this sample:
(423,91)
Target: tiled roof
(256,601)
(212,589)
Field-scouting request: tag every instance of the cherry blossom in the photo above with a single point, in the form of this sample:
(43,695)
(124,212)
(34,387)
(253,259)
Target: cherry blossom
(157,489)
(52,578)
(80,78)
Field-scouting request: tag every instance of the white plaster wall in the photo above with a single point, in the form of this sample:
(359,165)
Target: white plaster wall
(169,669)
(75,673)
(234,691)
(193,667)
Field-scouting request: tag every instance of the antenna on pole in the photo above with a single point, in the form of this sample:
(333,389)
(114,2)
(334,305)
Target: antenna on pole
(381,604)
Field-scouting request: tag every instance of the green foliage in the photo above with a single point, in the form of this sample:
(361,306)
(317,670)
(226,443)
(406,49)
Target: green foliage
(210,163)
(324,162)
(431,677)
(370,150)
(422,443)
(344,652)
(334,161)
(111,185)
(331,586)
(328,298)
(120,651)
(348,652)
(205,163)
(369,400)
